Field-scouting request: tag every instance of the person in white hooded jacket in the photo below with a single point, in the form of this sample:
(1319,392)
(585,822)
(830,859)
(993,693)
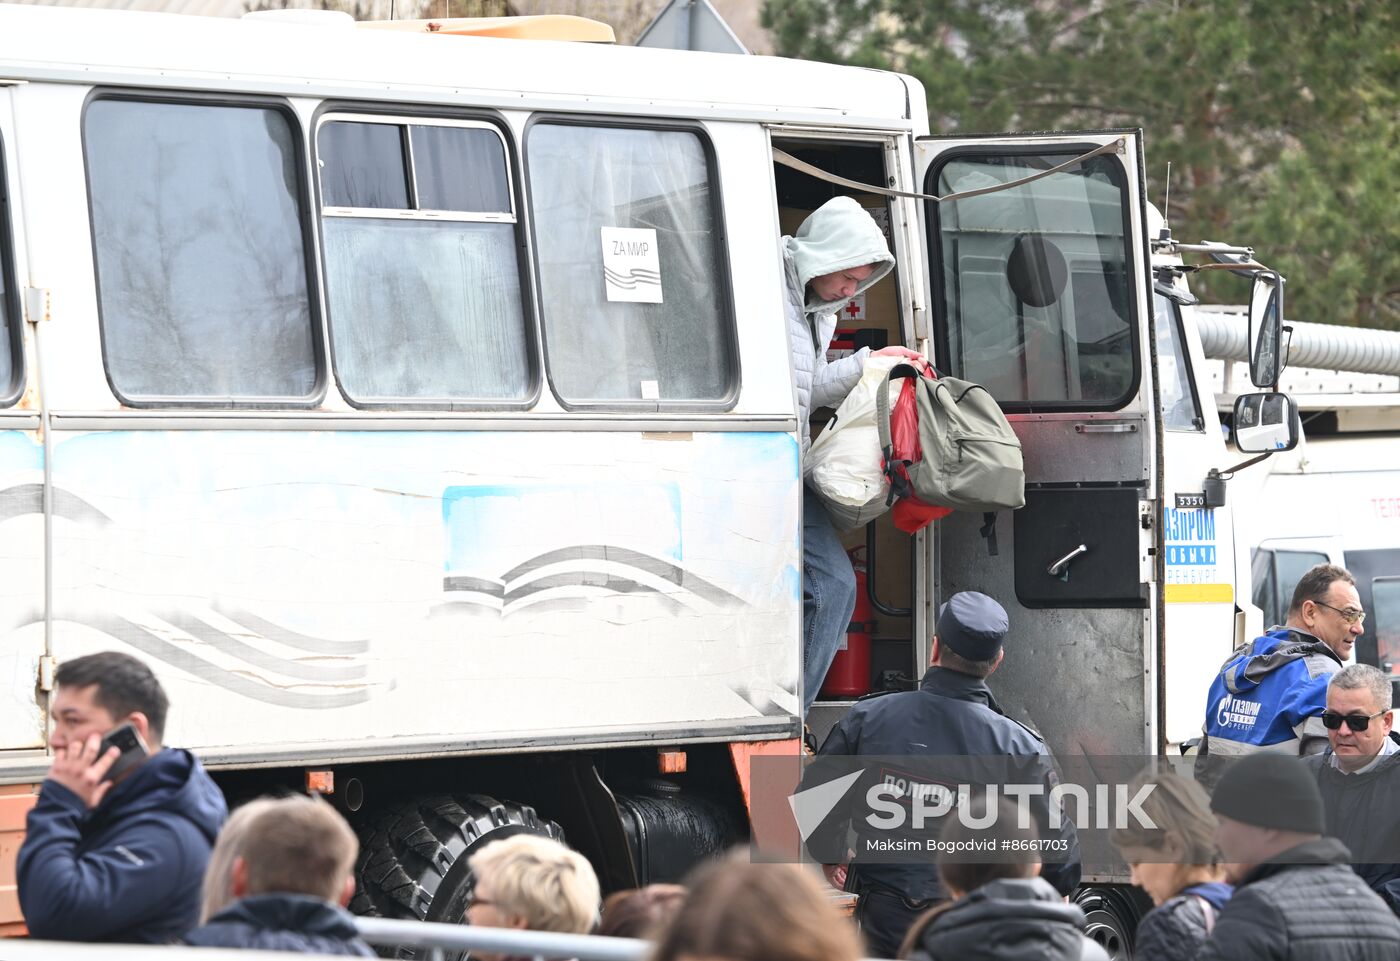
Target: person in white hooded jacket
(838,252)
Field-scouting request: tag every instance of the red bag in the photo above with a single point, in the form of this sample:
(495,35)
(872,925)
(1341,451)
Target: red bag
(910,514)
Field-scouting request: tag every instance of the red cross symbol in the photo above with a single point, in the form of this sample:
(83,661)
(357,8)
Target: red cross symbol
(853,309)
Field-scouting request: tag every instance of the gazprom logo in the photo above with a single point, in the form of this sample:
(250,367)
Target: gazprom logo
(1236,711)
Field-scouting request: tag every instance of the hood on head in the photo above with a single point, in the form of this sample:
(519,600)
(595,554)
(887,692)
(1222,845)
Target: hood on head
(838,235)
(1008,919)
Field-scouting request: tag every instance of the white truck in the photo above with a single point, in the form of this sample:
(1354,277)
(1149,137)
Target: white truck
(418,404)
(1336,497)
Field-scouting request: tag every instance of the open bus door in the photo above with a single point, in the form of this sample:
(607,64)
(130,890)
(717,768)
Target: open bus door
(1041,293)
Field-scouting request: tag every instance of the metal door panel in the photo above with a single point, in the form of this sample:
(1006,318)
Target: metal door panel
(1079,393)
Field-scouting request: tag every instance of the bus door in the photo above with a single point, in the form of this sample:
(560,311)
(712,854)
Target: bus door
(21,476)
(1040,292)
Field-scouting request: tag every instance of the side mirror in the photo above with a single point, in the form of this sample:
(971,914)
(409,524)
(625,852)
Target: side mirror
(1264,423)
(1266,360)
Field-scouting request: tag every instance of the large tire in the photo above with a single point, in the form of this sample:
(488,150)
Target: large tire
(1111,917)
(413,862)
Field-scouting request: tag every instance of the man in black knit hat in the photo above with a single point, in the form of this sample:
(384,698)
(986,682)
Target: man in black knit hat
(1295,897)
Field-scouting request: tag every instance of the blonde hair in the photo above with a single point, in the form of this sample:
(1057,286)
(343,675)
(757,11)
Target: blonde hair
(299,845)
(741,911)
(218,876)
(552,887)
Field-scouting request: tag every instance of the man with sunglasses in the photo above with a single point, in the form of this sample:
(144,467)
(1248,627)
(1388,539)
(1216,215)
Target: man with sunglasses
(1359,775)
(1270,694)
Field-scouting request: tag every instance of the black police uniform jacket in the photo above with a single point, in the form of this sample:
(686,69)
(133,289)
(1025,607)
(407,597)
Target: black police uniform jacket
(950,716)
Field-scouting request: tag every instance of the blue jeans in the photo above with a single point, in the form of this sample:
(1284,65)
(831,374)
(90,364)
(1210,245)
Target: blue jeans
(828,595)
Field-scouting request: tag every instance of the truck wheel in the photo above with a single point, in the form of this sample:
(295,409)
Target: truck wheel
(413,862)
(1111,917)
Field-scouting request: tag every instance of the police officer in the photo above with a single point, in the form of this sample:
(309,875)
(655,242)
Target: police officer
(951,715)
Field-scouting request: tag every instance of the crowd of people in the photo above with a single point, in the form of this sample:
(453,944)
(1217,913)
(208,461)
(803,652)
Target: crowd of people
(1293,854)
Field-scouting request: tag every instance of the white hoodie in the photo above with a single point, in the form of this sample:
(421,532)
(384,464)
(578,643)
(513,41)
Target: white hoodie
(838,235)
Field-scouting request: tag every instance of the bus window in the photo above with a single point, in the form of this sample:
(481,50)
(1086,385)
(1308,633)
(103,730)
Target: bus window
(1035,280)
(1275,574)
(10,353)
(422,263)
(1385,600)
(633,279)
(1180,410)
(200,253)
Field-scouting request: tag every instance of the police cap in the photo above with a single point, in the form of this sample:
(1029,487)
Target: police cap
(973,625)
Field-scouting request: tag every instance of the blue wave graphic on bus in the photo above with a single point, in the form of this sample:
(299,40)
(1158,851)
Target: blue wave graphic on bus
(626,539)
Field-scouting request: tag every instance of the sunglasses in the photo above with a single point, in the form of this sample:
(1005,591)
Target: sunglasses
(1350,616)
(1357,722)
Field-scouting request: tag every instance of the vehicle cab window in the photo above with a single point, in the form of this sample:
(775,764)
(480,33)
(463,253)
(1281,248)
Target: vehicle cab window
(1385,599)
(1181,409)
(1275,574)
(11,328)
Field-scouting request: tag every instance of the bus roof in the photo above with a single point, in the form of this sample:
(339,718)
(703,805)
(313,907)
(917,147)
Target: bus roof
(550,26)
(336,59)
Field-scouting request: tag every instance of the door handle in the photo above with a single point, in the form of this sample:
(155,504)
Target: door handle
(1060,566)
(1101,428)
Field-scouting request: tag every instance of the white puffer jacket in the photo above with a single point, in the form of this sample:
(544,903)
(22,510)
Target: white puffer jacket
(838,235)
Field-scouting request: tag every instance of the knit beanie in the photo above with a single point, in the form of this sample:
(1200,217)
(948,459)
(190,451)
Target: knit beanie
(1270,791)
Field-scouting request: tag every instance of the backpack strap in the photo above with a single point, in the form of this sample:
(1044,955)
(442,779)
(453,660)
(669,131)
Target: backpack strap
(899,484)
(988,530)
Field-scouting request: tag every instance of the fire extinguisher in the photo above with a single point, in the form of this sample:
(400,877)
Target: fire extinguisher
(849,674)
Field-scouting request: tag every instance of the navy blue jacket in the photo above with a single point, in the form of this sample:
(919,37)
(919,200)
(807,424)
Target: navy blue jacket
(132,868)
(282,922)
(1176,929)
(1008,920)
(950,716)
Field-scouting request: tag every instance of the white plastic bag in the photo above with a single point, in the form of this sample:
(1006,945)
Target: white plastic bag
(844,463)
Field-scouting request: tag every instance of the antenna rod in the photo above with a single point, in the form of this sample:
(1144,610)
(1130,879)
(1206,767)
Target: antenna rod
(1167,200)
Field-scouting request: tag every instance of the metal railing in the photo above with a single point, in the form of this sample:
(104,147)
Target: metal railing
(539,945)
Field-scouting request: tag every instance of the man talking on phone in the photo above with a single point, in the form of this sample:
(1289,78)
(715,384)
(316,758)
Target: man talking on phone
(116,846)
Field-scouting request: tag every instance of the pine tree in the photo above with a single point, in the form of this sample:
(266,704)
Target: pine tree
(1280,118)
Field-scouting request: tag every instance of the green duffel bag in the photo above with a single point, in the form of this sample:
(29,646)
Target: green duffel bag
(971,459)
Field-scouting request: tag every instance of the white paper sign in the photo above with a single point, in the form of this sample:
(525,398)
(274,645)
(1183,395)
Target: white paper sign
(631,265)
(881,216)
(853,313)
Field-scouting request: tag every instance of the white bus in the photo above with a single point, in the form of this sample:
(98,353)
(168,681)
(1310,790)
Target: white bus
(419,406)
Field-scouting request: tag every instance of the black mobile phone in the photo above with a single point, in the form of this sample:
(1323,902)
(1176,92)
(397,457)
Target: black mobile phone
(128,740)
